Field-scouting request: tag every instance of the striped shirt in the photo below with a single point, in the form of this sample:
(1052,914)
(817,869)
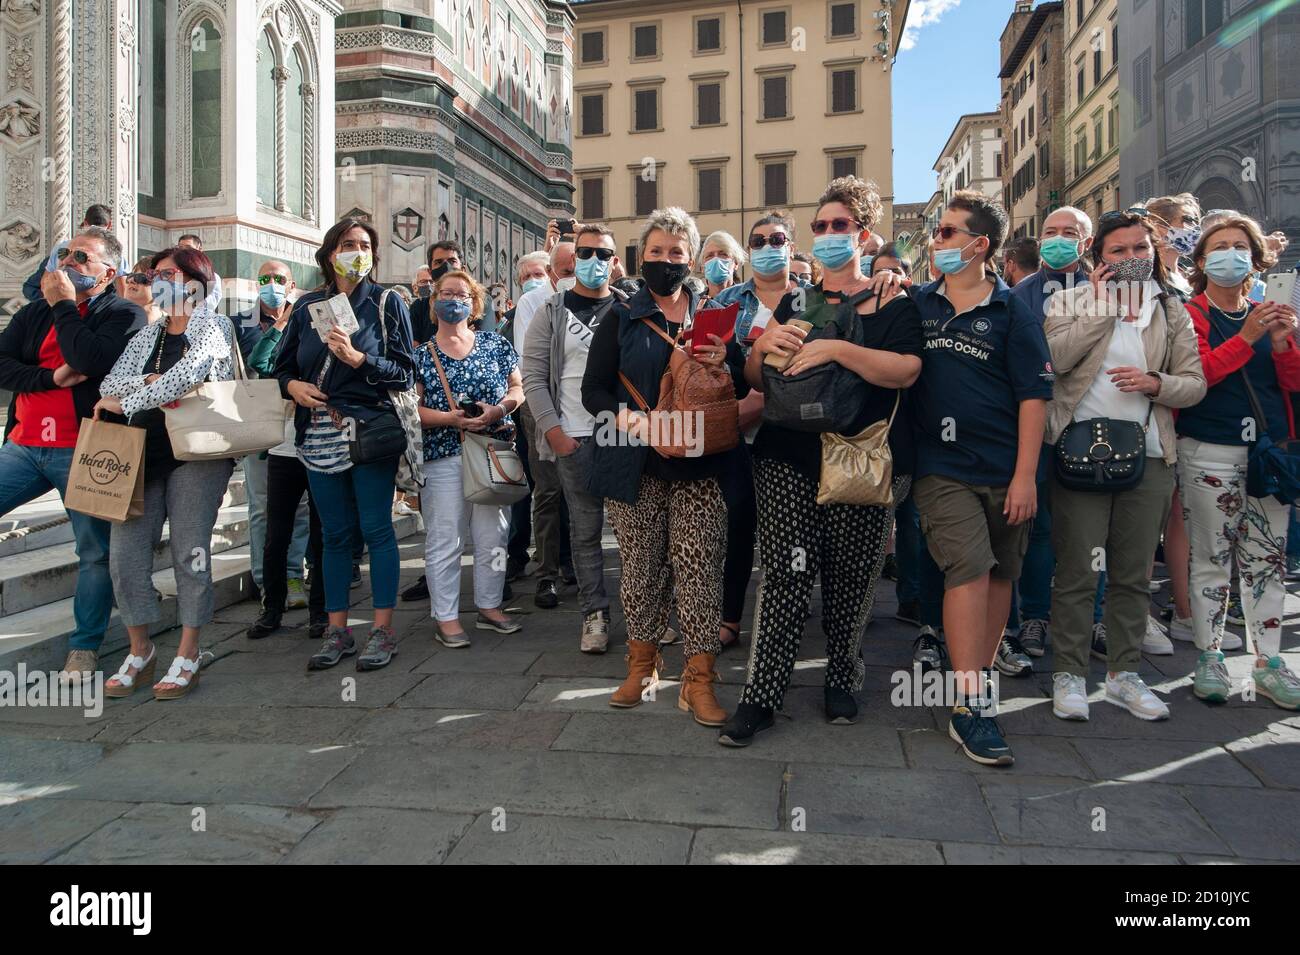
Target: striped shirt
(324,447)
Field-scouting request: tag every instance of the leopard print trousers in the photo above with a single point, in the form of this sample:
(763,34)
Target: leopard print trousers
(798,540)
(673,542)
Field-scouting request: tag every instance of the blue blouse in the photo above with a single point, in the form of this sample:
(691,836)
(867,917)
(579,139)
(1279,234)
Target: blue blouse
(483,374)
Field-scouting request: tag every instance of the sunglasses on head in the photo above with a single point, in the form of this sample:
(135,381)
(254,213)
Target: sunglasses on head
(268,279)
(1126,214)
(588,251)
(945,232)
(776,240)
(820,226)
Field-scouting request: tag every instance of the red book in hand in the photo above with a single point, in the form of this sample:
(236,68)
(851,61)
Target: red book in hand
(713,321)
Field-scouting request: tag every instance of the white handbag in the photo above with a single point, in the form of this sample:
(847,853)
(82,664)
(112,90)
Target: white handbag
(228,419)
(491,469)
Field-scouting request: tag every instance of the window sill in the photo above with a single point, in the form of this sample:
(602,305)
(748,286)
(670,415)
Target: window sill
(707,125)
(589,135)
(774,119)
(844,112)
(657,129)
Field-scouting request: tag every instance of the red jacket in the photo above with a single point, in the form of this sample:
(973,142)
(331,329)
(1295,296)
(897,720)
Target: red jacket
(1235,353)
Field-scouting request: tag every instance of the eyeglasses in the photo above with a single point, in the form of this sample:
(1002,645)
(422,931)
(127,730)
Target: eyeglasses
(165,274)
(588,251)
(942,233)
(454,297)
(820,226)
(268,279)
(776,240)
(78,255)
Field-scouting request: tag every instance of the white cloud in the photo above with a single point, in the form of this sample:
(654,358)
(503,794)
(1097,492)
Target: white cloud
(923,13)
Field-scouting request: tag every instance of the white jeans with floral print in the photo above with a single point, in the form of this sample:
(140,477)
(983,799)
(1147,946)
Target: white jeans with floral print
(1223,525)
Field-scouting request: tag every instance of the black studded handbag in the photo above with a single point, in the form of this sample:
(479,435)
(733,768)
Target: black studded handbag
(1102,454)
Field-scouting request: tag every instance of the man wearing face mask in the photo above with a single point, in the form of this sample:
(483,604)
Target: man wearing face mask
(444,257)
(53,355)
(554,361)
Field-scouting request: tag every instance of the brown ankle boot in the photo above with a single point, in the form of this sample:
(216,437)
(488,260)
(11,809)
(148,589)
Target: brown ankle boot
(642,661)
(697,691)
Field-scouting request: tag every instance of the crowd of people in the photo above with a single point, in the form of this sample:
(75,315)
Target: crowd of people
(1043,420)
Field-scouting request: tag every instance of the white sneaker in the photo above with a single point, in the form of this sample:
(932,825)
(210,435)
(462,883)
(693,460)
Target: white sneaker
(1127,690)
(1180,628)
(1069,696)
(1230,641)
(1153,587)
(1154,641)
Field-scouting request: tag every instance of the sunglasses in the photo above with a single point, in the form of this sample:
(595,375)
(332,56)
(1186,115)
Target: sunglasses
(820,226)
(1128,213)
(776,240)
(137,278)
(588,251)
(268,279)
(943,233)
(78,255)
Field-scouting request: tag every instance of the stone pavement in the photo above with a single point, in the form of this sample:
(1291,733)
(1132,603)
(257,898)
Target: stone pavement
(507,752)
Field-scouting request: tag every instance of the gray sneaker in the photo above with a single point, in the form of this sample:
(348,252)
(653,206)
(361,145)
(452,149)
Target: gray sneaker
(595,632)
(1033,637)
(379,650)
(336,645)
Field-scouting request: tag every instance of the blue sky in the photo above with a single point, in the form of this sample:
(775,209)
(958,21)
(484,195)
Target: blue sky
(951,68)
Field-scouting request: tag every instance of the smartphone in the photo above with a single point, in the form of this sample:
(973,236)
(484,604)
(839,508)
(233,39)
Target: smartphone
(468,405)
(566,226)
(1280,287)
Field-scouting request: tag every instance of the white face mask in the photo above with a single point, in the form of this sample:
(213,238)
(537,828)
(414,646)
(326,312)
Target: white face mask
(566,284)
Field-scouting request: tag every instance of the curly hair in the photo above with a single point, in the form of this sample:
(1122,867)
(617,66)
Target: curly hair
(476,293)
(860,196)
(1261,260)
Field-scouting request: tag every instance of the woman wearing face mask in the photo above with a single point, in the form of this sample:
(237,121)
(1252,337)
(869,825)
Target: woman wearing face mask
(1244,347)
(480,366)
(137,287)
(843,544)
(341,385)
(721,258)
(1123,350)
(1176,220)
(666,512)
(163,362)
(771,240)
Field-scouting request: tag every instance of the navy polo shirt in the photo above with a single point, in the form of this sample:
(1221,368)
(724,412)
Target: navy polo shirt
(976,369)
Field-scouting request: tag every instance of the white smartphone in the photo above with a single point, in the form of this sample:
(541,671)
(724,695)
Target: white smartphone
(1280,287)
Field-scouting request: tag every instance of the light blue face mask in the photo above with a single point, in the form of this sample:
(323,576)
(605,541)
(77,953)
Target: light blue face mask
(832,251)
(950,262)
(272,295)
(1228,268)
(168,296)
(718,269)
(81,282)
(769,260)
(592,272)
(534,283)
(866,264)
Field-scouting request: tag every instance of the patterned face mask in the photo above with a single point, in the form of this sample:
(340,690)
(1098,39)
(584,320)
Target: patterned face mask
(1131,270)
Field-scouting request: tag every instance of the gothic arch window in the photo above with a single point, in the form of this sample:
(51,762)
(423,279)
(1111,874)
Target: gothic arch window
(202,74)
(286,106)
(267,61)
(295,132)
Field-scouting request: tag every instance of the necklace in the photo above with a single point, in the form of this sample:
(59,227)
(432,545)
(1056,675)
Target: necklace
(162,341)
(1236,316)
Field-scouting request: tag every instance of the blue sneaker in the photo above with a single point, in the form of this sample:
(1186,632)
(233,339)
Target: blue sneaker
(980,737)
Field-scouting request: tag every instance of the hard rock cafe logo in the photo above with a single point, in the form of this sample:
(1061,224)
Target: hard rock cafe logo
(104,466)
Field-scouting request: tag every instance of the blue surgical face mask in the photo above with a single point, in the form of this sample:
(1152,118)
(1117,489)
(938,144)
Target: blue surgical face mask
(272,295)
(949,261)
(80,281)
(169,296)
(534,283)
(453,311)
(718,269)
(866,264)
(833,250)
(1227,268)
(769,260)
(592,272)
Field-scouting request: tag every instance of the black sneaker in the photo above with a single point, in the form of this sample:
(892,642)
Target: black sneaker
(980,737)
(748,720)
(841,708)
(928,650)
(417,591)
(909,611)
(316,629)
(1099,641)
(1011,657)
(546,597)
(890,570)
(264,626)
(1033,637)
(567,576)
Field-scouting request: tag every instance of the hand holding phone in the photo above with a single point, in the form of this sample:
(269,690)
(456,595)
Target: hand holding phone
(468,405)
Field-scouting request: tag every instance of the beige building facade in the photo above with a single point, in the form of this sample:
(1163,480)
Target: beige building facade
(728,109)
(1092,104)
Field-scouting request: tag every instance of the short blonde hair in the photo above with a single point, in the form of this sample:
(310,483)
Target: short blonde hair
(727,242)
(1169,208)
(675,221)
(476,294)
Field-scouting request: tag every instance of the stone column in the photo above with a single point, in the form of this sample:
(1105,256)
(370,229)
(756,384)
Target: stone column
(123,150)
(311,151)
(60,126)
(281,75)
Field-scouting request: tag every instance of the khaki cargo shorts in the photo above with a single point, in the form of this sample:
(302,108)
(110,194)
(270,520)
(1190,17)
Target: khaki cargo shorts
(966,532)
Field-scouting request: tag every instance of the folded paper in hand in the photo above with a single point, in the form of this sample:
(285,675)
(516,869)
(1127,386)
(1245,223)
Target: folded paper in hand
(333,313)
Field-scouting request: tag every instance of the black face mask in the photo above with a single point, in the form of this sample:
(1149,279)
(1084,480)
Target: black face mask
(439,270)
(664,278)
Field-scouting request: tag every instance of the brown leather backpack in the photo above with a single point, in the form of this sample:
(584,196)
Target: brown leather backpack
(693,397)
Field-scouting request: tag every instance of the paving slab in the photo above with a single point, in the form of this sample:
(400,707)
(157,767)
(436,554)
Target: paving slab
(36,830)
(964,853)
(489,691)
(472,729)
(369,836)
(517,839)
(40,767)
(1164,761)
(749,847)
(1254,823)
(315,725)
(1038,755)
(1274,756)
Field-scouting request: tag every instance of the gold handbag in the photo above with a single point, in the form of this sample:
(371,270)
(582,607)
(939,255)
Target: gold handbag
(859,469)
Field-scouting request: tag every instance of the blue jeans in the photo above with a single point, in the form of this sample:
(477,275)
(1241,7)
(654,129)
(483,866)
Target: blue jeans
(363,493)
(26,474)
